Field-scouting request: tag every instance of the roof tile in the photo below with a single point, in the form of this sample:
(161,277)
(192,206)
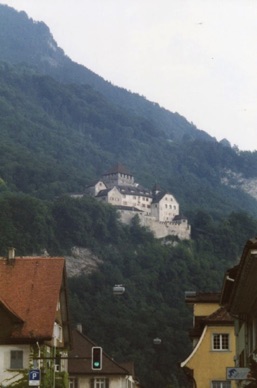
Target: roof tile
(30,287)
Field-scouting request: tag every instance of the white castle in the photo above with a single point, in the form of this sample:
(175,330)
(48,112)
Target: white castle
(156,209)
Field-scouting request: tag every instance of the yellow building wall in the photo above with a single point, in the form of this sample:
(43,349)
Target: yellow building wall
(205,309)
(209,365)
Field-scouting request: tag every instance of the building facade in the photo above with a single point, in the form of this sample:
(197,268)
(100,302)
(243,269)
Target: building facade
(213,342)
(239,296)
(34,321)
(110,375)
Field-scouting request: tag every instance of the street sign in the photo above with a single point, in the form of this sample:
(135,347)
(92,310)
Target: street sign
(238,374)
(34,377)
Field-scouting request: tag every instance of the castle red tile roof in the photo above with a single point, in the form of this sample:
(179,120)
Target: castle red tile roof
(118,168)
(30,289)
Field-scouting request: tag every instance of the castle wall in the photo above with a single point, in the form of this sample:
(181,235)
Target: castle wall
(160,229)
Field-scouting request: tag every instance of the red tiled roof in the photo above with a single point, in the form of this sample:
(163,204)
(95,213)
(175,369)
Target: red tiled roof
(30,288)
(80,359)
(220,316)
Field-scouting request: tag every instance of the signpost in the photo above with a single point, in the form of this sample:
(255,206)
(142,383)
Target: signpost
(34,377)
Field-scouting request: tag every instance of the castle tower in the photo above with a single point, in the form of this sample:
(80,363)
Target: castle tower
(118,175)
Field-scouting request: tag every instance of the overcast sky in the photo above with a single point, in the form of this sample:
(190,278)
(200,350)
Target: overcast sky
(194,57)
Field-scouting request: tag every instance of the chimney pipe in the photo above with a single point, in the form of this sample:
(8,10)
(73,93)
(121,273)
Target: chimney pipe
(79,327)
(11,255)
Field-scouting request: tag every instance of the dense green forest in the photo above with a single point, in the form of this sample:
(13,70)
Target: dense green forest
(155,274)
(57,138)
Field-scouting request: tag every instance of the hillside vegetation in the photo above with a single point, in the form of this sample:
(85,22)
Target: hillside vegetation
(155,274)
(57,138)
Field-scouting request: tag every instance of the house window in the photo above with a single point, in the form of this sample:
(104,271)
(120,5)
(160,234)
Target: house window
(73,383)
(16,359)
(220,342)
(99,383)
(221,384)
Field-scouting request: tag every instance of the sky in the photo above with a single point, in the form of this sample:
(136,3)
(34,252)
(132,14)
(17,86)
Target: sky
(194,57)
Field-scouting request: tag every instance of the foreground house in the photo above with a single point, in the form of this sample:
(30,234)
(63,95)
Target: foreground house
(111,374)
(34,331)
(239,296)
(213,342)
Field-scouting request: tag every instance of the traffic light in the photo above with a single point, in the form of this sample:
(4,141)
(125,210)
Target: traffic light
(96,358)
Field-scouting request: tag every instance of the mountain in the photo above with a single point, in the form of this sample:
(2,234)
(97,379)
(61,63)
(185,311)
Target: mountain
(63,126)
(31,42)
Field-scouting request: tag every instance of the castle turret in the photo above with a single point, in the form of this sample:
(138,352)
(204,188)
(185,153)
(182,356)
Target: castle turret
(118,175)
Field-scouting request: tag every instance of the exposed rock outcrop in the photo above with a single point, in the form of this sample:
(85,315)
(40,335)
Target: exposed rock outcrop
(81,261)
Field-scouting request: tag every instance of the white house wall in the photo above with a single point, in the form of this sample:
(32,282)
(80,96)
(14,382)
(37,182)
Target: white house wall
(114,197)
(137,201)
(98,187)
(8,376)
(114,382)
(168,208)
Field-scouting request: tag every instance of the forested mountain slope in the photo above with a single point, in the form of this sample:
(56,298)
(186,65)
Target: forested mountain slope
(155,275)
(23,40)
(62,134)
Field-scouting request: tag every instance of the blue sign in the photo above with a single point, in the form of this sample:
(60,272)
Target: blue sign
(234,373)
(34,377)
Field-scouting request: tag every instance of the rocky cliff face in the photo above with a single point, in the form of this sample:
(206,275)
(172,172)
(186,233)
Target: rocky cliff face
(82,261)
(238,181)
